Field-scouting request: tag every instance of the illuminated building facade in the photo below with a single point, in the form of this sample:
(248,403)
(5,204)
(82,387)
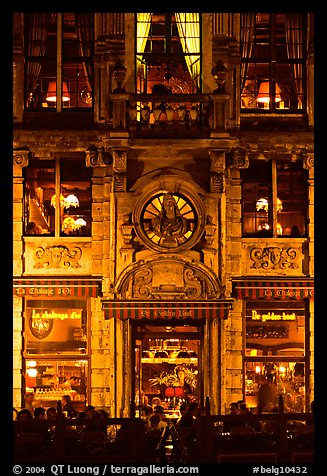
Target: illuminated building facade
(163,207)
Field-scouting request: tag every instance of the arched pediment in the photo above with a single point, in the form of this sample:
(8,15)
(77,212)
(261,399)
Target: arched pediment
(168,277)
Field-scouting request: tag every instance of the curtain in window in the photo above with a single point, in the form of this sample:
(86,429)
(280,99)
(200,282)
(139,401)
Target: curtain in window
(247,32)
(143,28)
(84,23)
(188,25)
(38,26)
(294,42)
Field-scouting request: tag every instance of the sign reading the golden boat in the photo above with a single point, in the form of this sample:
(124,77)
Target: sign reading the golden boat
(272,316)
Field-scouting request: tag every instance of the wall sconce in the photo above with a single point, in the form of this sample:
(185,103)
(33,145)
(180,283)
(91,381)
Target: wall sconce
(263,95)
(52,92)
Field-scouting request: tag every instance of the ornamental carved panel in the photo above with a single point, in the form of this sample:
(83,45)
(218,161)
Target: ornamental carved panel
(57,257)
(274,257)
(170,279)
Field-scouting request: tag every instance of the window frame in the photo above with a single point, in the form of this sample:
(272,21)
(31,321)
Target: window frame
(35,91)
(274,66)
(169,55)
(271,214)
(58,210)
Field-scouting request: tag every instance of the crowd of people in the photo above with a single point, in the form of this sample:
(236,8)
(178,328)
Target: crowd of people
(160,431)
(158,428)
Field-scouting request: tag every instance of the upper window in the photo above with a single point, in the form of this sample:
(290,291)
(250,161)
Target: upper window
(168,54)
(58,60)
(274,199)
(57,198)
(273,62)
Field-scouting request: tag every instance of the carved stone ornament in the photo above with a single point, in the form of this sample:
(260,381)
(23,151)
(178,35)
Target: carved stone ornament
(172,279)
(274,257)
(97,157)
(217,182)
(120,183)
(308,161)
(169,220)
(126,231)
(119,161)
(57,257)
(238,158)
(20,157)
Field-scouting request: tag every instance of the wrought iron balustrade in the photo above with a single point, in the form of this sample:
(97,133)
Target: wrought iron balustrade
(148,114)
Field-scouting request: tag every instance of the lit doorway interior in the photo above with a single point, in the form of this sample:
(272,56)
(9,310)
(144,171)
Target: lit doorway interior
(167,365)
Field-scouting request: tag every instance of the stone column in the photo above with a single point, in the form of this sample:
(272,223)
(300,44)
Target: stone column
(232,328)
(109,47)
(17,351)
(309,164)
(101,358)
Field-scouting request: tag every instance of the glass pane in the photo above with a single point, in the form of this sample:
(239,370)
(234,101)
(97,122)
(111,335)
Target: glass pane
(292,180)
(39,190)
(277,328)
(76,192)
(50,380)
(256,199)
(56,327)
(168,368)
(286,378)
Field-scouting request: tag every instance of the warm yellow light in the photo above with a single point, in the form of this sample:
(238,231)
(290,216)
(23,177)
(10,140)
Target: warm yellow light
(52,92)
(71,201)
(263,204)
(258,369)
(31,363)
(31,372)
(282,369)
(53,200)
(263,95)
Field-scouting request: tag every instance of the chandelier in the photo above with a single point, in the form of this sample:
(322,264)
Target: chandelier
(262,204)
(65,202)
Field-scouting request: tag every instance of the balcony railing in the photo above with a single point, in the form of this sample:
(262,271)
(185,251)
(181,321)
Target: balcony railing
(167,115)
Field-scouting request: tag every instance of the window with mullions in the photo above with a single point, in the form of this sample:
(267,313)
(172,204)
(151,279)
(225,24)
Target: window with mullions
(58,60)
(275,353)
(57,198)
(274,199)
(168,54)
(273,62)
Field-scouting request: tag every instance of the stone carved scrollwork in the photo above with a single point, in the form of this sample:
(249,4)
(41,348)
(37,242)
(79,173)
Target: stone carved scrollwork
(97,157)
(274,257)
(308,161)
(142,287)
(238,158)
(193,284)
(57,257)
(20,157)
